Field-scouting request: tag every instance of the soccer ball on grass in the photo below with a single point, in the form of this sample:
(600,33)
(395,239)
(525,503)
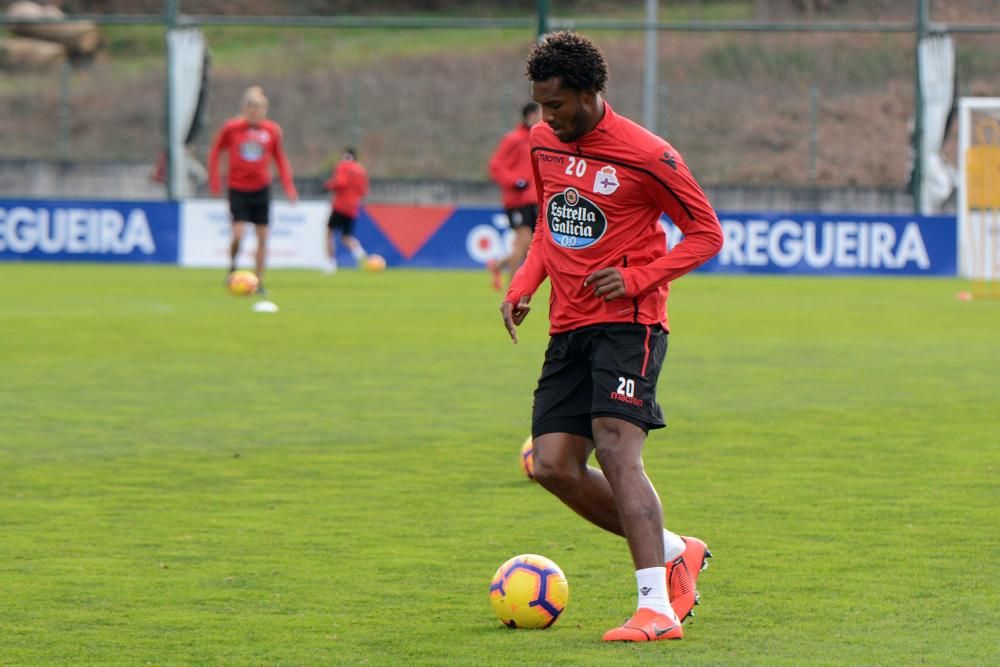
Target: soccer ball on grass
(529,591)
(242,283)
(528,458)
(374,263)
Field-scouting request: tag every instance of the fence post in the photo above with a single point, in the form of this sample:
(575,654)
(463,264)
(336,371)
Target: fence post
(356,113)
(813,134)
(649,71)
(509,107)
(918,111)
(65,111)
(543,17)
(664,124)
(170,22)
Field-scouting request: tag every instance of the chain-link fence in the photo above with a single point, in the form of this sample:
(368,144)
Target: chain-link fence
(779,107)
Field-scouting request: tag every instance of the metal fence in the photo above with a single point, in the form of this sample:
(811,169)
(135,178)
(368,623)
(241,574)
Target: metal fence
(792,103)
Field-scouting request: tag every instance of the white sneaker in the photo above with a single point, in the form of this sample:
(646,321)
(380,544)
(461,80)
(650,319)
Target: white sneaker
(329,268)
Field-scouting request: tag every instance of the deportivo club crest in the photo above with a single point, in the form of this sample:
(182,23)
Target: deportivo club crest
(574,221)
(606,182)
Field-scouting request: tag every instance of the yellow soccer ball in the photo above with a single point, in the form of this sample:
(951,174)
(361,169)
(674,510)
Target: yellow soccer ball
(529,591)
(242,283)
(375,263)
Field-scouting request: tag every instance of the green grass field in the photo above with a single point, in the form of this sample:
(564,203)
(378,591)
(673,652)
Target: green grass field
(186,482)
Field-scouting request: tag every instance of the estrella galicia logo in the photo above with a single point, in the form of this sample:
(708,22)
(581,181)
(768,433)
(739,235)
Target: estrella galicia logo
(575,221)
(251,151)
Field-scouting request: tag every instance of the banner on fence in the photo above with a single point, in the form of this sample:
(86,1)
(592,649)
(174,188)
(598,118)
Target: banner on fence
(413,236)
(105,231)
(198,233)
(295,235)
(754,242)
(834,244)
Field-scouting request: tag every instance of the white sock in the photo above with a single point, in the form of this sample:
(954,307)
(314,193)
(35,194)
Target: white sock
(358,252)
(652,585)
(673,545)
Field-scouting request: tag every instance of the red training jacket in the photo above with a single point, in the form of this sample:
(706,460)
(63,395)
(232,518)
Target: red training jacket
(349,185)
(250,149)
(512,161)
(602,197)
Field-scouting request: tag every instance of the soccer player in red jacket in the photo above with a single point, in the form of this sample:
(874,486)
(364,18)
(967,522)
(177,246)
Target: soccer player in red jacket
(250,142)
(349,185)
(603,183)
(510,168)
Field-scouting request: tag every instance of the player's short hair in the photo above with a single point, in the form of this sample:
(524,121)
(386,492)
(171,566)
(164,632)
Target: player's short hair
(253,95)
(352,151)
(528,109)
(573,58)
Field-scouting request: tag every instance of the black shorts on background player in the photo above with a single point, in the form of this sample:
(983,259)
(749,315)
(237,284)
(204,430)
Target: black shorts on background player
(252,206)
(523,215)
(342,222)
(604,370)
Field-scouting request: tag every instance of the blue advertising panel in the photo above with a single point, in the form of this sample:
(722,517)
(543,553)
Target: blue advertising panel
(826,244)
(464,238)
(76,231)
(467,238)
(832,244)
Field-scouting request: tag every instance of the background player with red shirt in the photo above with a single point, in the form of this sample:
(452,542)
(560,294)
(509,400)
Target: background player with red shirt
(349,185)
(250,142)
(510,168)
(603,182)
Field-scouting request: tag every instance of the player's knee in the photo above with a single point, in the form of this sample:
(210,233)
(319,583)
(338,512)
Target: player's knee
(618,462)
(555,476)
(610,463)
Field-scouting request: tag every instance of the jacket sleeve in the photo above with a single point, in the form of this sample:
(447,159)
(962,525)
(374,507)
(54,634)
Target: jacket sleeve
(675,192)
(284,167)
(220,144)
(531,274)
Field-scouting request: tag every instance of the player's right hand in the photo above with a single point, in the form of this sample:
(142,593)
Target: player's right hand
(513,315)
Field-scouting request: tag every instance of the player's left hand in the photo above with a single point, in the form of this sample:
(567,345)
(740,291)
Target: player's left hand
(608,283)
(513,315)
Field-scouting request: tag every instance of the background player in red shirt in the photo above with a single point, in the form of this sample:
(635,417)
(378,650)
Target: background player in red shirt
(250,142)
(603,182)
(349,185)
(510,169)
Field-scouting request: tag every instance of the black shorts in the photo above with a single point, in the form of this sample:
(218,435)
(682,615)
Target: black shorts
(605,370)
(341,221)
(523,216)
(252,206)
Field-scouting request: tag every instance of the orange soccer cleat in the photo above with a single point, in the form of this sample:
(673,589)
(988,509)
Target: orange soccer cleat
(682,576)
(646,625)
